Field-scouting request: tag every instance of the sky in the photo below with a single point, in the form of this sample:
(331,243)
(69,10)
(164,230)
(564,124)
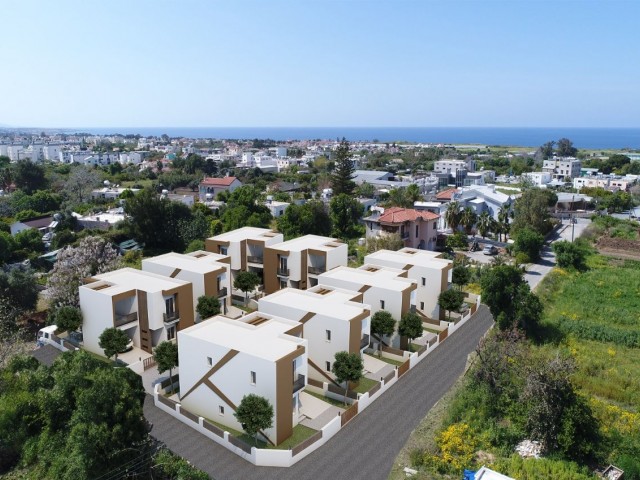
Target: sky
(313,63)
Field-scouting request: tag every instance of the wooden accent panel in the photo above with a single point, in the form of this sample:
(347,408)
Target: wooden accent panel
(243,255)
(270,272)
(321,371)
(404,368)
(364,288)
(175,273)
(221,363)
(307,316)
(304,271)
(348,414)
(284,396)
(143,321)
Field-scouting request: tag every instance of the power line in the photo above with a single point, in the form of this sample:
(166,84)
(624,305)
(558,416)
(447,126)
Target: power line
(137,460)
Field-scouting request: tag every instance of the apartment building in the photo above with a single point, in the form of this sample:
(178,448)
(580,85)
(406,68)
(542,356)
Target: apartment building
(297,263)
(245,246)
(332,321)
(430,271)
(208,273)
(222,360)
(382,288)
(417,228)
(562,168)
(148,307)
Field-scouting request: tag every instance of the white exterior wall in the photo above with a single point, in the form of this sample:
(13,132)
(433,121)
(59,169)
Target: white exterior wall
(430,292)
(338,256)
(320,349)
(97,316)
(294,264)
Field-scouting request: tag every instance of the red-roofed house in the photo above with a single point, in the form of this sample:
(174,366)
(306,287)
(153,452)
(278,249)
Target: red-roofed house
(211,186)
(418,228)
(446,195)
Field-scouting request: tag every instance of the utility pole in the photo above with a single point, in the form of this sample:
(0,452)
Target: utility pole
(572,218)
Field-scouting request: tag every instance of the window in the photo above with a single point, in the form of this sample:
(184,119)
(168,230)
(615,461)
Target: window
(223,250)
(283,284)
(328,335)
(220,409)
(209,361)
(382,304)
(171,332)
(421,305)
(424,281)
(416,231)
(328,366)
(435,225)
(253,378)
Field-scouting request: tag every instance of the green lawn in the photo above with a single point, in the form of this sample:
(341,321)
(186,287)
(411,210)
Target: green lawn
(386,360)
(335,403)
(300,433)
(365,385)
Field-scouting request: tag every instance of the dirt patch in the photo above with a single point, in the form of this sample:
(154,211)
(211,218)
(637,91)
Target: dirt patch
(619,247)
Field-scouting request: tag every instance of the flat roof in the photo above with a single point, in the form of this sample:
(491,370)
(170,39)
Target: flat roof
(411,256)
(206,263)
(336,293)
(329,304)
(126,279)
(265,339)
(245,233)
(315,242)
(372,275)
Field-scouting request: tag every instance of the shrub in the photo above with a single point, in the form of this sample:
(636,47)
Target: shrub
(458,240)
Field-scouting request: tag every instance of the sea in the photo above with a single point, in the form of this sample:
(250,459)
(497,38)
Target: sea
(586,138)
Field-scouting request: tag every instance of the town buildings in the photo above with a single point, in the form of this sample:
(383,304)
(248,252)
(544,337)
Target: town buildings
(210,187)
(417,228)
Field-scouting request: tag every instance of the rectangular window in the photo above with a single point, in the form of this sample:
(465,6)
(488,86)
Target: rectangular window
(220,409)
(253,378)
(421,305)
(223,250)
(416,231)
(382,304)
(424,281)
(209,361)
(328,366)
(171,332)
(328,335)
(435,226)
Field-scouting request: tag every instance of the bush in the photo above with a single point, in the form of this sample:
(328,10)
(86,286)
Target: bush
(571,255)
(530,242)
(458,240)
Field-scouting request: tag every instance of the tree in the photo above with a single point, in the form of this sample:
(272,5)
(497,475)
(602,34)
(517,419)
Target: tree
(29,241)
(532,210)
(566,148)
(468,219)
(342,176)
(255,413)
(453,215)
(80,183)
(546,150)
(7,247)
(19,288)
(382,323)
(410,326)
(245,209)
(485,223)
(207,306)
(460,276)
(246,282)
(166,356)
(366,190)
(391,241)
(195,228)
(29,176)
(347,367)
(94,255)
(451,300)
(113,341)
(346,212)
(530,242)
(310,218)
(571,255)
(68,318)
(503,222)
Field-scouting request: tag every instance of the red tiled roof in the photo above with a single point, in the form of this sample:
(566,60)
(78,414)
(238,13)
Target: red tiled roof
(219,182)
(401,215)
(446,194)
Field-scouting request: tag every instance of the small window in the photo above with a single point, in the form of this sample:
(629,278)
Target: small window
(253,378)
(416,231)
(435,226)
(382,304)
(421,305)
(328,335)
(424,281)
(220,409)
(328,366)
(209,361)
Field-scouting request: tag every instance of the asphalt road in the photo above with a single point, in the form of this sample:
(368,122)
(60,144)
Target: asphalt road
(366,447)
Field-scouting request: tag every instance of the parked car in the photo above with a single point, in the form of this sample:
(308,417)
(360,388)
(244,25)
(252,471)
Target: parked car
(490,250)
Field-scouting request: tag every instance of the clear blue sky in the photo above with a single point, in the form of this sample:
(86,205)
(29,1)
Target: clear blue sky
(400,63)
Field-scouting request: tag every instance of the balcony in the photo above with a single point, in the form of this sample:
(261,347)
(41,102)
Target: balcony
(299,383)
(316,270)
(171,317)
(121,320)
(255,259)
(283,272)
(364,342)
(222,292)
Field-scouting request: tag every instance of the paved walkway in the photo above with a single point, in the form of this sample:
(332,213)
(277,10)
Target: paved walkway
(367,447)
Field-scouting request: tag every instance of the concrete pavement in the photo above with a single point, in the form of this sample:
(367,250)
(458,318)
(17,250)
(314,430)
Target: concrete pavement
(366,447)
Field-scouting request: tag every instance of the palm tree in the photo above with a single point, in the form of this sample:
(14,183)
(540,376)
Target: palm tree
(412,194)
(452,215)
(503,221)
(484,223)
(468,219)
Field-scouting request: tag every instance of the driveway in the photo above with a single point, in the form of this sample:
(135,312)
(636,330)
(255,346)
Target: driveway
(367,447)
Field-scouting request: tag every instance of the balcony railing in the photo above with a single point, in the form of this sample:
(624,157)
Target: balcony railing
(222,292)
(124,319)
(171,317)
(255,259)
(364,343)
(283,272)
(299,383)
(316,270)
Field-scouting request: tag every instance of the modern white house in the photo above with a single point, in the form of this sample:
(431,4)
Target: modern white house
(332,321)
(208,273)
(431,273)
(148,307)
(538,178)
(222,360)
(562,168)
(210,187)
(298,262)
(245,246)
(382,288)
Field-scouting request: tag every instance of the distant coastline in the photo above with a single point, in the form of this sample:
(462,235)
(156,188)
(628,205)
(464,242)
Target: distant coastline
(586,138)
